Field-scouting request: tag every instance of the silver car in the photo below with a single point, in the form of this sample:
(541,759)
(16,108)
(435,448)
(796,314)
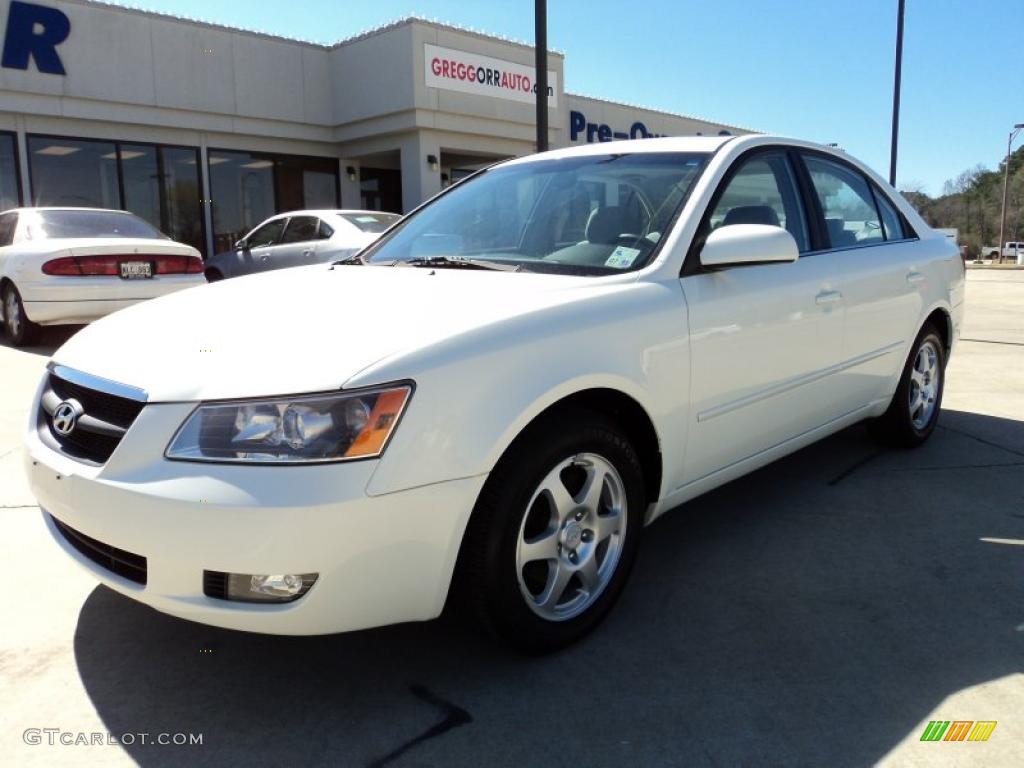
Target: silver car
(297,238)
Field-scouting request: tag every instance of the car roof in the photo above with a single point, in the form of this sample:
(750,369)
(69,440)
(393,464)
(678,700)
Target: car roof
(631,146)
(30,208)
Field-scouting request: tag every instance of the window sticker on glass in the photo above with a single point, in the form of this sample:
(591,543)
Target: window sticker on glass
(622,257)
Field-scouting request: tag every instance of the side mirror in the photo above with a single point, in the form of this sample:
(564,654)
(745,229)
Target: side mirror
(241,245)
(739,244)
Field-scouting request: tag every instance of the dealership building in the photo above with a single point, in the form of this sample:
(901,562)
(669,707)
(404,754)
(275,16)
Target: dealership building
(205,130)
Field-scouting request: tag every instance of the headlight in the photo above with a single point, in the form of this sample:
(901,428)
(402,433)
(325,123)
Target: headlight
(310,428)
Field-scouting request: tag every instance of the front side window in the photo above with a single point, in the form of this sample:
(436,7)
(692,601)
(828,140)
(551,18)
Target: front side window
(851,217)
(597,214)
(300,229)
(762,191)
(268,234)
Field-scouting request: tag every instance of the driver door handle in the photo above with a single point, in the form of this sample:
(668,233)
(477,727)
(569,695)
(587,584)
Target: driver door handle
(914,277)
(828,297)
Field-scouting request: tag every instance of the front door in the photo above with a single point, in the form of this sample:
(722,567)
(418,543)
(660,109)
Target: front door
(764,339)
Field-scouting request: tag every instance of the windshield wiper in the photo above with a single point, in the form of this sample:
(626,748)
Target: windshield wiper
(456,262)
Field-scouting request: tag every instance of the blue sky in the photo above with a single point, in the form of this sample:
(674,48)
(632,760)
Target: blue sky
(820,69)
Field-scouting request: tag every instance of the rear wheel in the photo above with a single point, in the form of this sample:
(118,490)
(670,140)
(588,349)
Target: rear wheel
(20,330)
(914,410)
(555,532)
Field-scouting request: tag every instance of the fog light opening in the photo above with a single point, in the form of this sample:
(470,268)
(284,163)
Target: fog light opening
(258,588)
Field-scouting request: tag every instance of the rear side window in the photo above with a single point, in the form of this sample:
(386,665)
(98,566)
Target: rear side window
(892,224)
(301,229)
(8,223)
(762,191)
(325,232)
(847,203)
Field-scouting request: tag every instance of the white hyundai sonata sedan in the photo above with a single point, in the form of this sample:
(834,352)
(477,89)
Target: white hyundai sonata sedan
(495,398)
(64,266)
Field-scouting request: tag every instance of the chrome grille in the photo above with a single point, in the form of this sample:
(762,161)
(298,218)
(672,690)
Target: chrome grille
(106,411)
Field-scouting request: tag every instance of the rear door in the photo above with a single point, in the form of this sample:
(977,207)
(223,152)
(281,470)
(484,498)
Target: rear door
(883,278)
(764,338)
(298,244)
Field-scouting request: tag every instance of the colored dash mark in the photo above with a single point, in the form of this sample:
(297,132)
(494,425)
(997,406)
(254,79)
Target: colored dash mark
(958,730)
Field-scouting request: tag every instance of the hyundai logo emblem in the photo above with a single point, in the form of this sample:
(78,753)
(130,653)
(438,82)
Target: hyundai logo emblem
(65,417)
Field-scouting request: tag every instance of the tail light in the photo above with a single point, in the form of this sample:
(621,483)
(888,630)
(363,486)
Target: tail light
(109,266)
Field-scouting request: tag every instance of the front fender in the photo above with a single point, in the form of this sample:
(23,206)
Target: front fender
(476,392)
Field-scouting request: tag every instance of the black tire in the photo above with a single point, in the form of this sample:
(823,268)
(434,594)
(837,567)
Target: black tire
(21,331)
(896,427)
(488,576)
(213,275)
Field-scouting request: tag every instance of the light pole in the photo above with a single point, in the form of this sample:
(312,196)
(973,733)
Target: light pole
(540,46)
(897,77)
(1006,183)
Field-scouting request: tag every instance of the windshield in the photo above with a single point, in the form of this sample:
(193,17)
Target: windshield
(597,214)
(371,222)
(57,224)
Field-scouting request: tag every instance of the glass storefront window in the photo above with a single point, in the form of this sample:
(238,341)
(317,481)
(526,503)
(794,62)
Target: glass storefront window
(248,187)
(9,195)
(73,172)
(182,212)
(157,183)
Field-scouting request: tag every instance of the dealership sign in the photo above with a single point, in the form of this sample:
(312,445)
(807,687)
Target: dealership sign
(34,32)
(483,75)
(582,130)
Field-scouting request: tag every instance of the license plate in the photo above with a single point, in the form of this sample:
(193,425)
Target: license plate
(136,270)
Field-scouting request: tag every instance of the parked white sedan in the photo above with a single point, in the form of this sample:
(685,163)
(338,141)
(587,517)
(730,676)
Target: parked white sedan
(299,238)
(499,394)
(63,266)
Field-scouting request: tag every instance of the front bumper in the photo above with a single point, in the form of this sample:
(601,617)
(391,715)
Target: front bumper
(380,559)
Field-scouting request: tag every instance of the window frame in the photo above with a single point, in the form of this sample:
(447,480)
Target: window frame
(19,192)
(811,195)
(201,179)
(691,263)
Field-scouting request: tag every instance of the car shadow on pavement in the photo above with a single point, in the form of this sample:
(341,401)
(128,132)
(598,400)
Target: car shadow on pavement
(812,613)
(50,338)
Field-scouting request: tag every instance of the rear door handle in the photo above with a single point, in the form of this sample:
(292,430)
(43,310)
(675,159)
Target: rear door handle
(828,297)
(914,277)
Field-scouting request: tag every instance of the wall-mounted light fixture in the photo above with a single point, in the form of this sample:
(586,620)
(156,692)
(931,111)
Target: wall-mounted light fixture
(351,171)
(432,162)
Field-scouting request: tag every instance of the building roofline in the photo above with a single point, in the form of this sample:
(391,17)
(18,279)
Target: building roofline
(660,111)
(318,44)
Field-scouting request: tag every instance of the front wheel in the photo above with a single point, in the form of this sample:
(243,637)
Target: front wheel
(914,410)
(20,330)
(555,532)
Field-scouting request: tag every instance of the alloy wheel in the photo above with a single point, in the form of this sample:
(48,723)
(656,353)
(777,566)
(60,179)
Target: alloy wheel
(571,537)
(12,313)
(925,378)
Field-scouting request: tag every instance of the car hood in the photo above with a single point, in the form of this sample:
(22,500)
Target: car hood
(301,330)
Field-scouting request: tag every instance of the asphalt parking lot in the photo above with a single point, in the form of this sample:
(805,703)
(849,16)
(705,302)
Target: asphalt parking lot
(819,612)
